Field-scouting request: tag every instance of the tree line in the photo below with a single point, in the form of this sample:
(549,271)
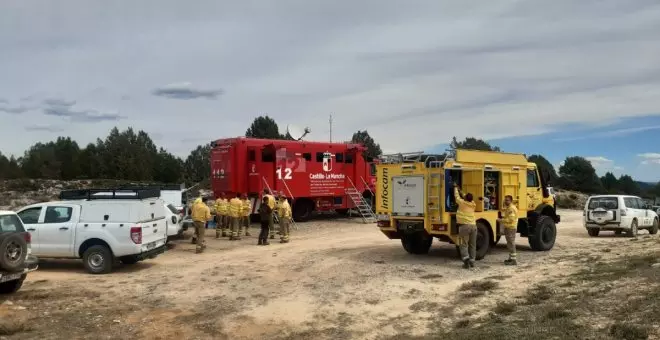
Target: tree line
(131,155)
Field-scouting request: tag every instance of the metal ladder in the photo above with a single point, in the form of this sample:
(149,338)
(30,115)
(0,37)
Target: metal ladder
(433,193)
(276,218)
(361,204)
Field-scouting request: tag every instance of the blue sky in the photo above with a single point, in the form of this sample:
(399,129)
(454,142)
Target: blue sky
(626,146)
(188,72)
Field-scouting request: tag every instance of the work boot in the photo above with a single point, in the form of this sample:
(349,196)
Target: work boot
(260,243)
(193,241)
(199,250)
(247,233)
(471,263)
(466,264)
(272,236)
(510,262)
(266,243)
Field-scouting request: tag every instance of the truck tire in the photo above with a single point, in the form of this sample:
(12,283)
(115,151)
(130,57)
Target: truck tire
(98,260)
(593,232)
(302,211)
(544,235)
(654,228)
(483,241)
(13,251)
(11,287)
(632,232)
(417,243)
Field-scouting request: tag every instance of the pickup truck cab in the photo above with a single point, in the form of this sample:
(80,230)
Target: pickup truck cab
(16,260)
(99,226)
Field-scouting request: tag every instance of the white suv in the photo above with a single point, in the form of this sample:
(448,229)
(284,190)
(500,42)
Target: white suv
(619,213)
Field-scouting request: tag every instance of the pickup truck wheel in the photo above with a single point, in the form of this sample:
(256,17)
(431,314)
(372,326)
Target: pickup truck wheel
(632,232)
(13,251)
(654,228)
(10,287)
(544,234)
(98,260)
(417,243)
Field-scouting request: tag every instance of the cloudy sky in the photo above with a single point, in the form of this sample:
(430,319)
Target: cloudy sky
(556,77)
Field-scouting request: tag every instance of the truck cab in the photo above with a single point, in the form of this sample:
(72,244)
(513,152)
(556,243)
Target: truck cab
(415,199)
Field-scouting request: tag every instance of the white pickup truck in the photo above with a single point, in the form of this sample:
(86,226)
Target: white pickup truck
(99,226)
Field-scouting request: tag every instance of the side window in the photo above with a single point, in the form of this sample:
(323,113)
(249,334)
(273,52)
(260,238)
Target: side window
(307,156)
(267,156)
(349,158)
(252,155)
(30,216)
(372,169)
(640,203)
(630,204)
(319,157)
(58,214)
(532,180)
(339,157)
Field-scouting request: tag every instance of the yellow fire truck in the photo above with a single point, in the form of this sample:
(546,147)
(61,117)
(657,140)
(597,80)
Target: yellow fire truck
(415,198)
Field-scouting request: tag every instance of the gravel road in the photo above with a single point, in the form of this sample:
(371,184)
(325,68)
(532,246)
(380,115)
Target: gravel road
(337,279)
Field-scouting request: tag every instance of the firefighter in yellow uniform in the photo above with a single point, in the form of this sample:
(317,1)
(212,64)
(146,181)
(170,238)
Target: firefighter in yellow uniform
(284,215)
(247,210)
(235,212)
(220,213)
(467,229)
(200,215)
(271,204)
(224,215)
(509,222)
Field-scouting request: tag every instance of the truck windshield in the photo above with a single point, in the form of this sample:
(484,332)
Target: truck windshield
(10,223)
(604,202)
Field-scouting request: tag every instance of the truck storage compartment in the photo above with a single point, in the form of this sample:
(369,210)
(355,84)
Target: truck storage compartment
(408,195)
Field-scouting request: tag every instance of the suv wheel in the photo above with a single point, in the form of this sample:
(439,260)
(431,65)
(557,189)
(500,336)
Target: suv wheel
(633,229)
(10,287)
(13,251)
(654,228)
(593,232)
(98,259)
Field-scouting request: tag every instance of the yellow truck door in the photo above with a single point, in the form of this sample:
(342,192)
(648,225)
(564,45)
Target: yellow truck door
(511,186)
(473,183)
(534,193)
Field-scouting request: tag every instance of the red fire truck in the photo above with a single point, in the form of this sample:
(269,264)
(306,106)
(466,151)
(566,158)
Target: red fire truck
(317,176)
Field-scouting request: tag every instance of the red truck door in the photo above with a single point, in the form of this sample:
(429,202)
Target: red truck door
(266,168)
(254,166)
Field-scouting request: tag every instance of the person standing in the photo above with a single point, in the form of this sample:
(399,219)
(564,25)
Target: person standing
(224,215)
(235,212)
(509,222)
(219,216)
(467,229)
(247,210)
(264,213)
(284,214)
(271,204)
(200,215)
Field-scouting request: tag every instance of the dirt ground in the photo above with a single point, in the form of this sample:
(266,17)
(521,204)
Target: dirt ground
(337,279)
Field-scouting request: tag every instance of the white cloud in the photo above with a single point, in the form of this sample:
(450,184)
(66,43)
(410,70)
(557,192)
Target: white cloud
(413,76)
(649,158)
(604,165)
(611,133)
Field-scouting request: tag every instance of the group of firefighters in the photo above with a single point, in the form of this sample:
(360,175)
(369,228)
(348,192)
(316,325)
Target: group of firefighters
(232,217)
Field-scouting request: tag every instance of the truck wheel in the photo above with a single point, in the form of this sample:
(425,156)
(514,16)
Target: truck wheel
(654,229)
(302,211)
(11,287)
(13,251)
(632,232)
(483,241)
(417,243)
(544,235)
(593,232)
(98,260)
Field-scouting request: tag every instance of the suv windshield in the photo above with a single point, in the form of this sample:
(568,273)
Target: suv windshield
(10,223)
(172,209)
(604,202)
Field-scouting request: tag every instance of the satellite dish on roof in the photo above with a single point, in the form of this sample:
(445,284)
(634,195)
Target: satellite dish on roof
(297,133)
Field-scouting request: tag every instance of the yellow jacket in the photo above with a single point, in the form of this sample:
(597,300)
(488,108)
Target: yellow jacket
(247,207)
(200,211)
(221,206)
(465,213)
(271,201)
(284,209)
(235,207)
(510,217)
